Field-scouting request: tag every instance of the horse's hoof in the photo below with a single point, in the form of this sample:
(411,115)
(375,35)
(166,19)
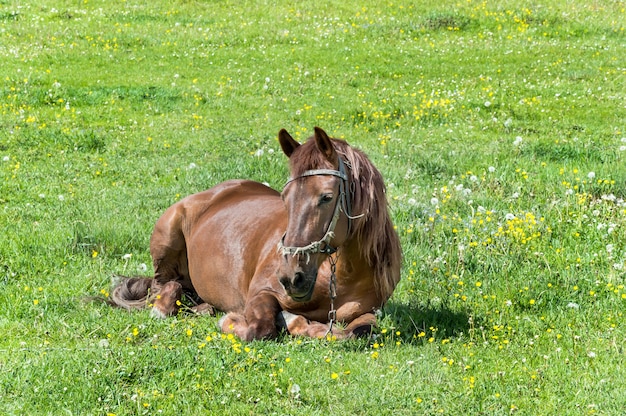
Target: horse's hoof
(157,313)
(284,319)
(204,309)
(362,331)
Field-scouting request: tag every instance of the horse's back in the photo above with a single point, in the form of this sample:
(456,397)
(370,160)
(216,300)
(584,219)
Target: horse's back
(223,234)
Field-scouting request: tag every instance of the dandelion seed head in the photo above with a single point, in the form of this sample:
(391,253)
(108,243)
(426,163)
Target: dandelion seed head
(295,390)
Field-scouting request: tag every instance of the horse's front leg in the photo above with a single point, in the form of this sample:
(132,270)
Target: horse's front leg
(257,322)
(299,325)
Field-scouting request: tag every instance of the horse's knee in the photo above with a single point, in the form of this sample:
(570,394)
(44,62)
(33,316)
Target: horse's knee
(233,323)
(260,330)
(167,301)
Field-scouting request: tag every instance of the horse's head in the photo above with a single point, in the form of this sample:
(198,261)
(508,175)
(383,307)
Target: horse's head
(315,197)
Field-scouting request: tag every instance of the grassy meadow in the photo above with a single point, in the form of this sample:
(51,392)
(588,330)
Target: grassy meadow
(500,129)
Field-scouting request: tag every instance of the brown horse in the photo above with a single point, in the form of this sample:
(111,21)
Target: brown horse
(323,253)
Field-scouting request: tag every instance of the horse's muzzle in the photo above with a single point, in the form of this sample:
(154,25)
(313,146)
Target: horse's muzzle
(300,286)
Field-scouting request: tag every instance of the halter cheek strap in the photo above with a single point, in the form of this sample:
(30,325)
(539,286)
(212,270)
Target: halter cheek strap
(323,245)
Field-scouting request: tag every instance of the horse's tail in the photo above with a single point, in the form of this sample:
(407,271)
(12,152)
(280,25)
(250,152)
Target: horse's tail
(132,293)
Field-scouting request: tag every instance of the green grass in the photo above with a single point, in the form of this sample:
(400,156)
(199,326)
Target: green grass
(500,130)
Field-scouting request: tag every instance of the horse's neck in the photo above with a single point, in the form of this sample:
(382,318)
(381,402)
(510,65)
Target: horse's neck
(350,260)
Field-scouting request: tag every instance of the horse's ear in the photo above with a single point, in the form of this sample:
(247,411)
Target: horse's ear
(287,143)
(324,144)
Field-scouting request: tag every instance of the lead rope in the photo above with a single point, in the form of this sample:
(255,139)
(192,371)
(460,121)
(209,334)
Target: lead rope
(332,293)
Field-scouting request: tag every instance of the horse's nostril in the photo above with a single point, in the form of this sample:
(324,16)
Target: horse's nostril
(285,282)
(298,279)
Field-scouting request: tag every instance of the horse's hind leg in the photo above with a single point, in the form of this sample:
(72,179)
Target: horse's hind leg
(167,301)
(169,258)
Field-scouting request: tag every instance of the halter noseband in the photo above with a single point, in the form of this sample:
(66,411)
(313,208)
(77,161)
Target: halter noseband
(343,204)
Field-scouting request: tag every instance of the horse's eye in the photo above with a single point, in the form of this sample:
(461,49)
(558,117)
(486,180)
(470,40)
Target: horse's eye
(325,198)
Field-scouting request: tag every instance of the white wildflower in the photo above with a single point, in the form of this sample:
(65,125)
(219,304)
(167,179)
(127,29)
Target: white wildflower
(295,390)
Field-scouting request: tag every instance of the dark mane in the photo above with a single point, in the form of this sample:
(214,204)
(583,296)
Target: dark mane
(378,239)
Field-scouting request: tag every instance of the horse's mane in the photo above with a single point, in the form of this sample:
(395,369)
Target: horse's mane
(378,239)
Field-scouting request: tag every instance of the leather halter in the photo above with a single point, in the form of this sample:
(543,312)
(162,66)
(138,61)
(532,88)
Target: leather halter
(343,204)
